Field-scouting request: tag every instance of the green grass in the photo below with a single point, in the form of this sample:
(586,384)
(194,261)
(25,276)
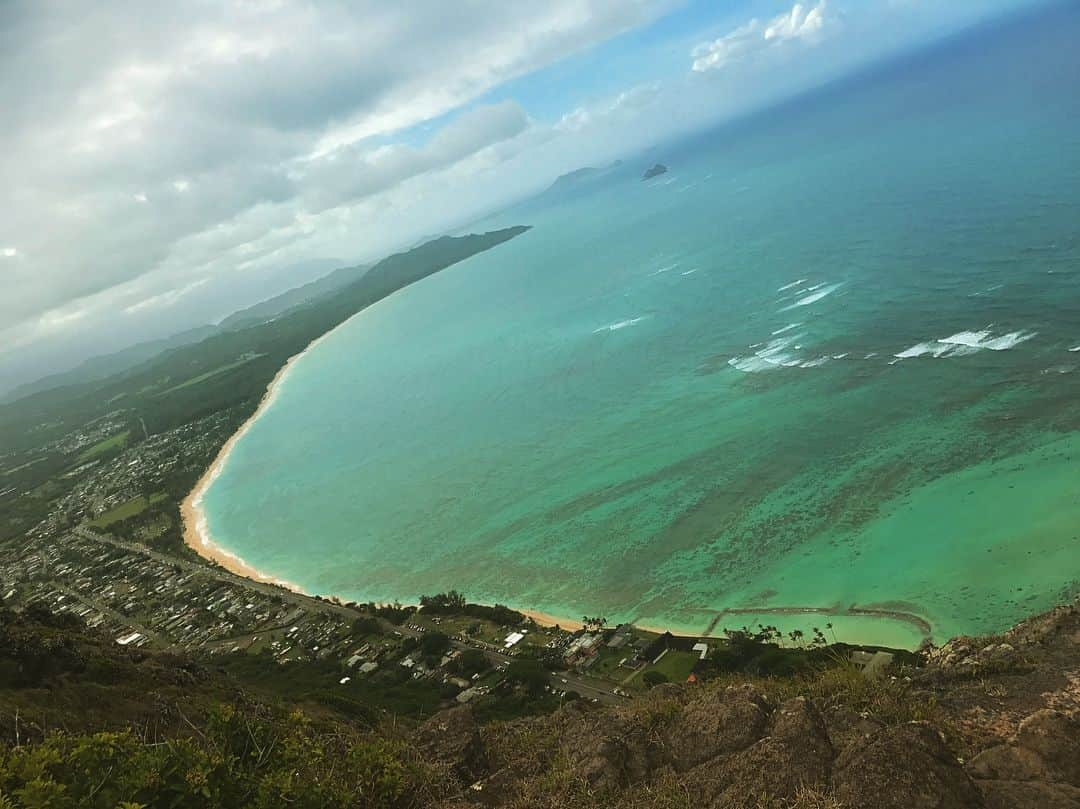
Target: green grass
(118,441)
(21,467)
(675,665)
(136,505)
(221,369)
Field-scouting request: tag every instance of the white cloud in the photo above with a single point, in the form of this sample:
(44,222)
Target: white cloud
(165,298)
(9,252)
(799,23)
(229,115)
(802,23)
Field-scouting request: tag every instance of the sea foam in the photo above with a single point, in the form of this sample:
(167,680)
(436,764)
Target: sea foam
(774,354)
(621,324)
(788,327)
(786,287)
(984,339)
(821,292)
(964,343)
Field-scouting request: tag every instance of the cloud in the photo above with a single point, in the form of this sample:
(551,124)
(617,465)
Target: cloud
(799,23)
(147,151)
(802,23)
(353,172)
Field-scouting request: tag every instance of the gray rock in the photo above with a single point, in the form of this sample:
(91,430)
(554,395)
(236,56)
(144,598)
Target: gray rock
(904,767)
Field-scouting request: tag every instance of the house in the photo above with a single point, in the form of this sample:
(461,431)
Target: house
(623,633)
(583,648)
(658,647)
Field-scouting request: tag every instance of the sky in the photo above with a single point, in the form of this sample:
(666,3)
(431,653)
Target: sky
(163,165)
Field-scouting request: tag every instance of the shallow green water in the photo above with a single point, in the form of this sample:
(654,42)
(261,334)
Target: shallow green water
(676,398)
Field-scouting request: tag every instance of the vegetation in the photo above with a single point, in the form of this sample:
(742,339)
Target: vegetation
(232,367)
(453,603)
(125,511)
(236,759)
(118,441)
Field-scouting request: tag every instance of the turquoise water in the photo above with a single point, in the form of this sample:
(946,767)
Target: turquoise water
(823,363)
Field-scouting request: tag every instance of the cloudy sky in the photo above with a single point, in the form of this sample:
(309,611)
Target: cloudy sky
(163,164)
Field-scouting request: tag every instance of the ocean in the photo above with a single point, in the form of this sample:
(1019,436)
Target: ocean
(829,361)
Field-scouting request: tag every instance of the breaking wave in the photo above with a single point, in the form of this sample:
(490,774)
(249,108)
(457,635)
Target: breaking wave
(964,343)
(620,324)
(819,293)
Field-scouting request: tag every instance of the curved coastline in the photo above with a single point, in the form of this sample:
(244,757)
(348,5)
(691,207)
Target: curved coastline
(195,529)
(197,536)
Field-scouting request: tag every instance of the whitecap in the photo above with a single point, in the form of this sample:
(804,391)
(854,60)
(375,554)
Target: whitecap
(933,348)
(621,324)
(786,287)
(668,268)
(983,339)
(791,326)
(690,272)
(773,355)
(814,297)
(1077,348)
(964,343)
(814,363)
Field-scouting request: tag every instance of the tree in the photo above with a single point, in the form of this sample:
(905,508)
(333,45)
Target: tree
(434,644)
(653,678)
(528,673)
(449,602)
(470,662)
(365,625)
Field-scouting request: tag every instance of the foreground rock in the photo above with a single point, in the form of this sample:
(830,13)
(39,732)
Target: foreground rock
(991,723)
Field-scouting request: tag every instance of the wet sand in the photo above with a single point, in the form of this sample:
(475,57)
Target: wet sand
(196,533)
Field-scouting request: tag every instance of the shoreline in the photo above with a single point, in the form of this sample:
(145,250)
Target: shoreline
(197,536)
(192,517)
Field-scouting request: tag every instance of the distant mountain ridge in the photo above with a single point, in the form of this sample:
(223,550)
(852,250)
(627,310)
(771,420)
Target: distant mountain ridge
(574,178)
(232,366)
(103,366)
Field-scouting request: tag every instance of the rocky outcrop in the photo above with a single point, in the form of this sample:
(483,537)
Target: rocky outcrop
(1039,766)
(796,754)
(452,740)
(904,767)
(718,724)
(1009,705)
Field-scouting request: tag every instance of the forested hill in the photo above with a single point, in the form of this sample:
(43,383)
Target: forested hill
(985,723)
(228,368)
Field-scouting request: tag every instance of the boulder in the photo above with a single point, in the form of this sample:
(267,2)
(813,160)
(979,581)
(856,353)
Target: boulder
(1008,763)
(796,754)
(609,753)
(1055,737)
(904,767)
(452,739)
(1029,795)
(718,724)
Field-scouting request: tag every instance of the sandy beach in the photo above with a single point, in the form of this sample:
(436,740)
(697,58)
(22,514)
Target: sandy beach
(197,533)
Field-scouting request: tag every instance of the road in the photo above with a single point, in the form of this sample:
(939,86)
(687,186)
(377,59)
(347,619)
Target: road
(586,686)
